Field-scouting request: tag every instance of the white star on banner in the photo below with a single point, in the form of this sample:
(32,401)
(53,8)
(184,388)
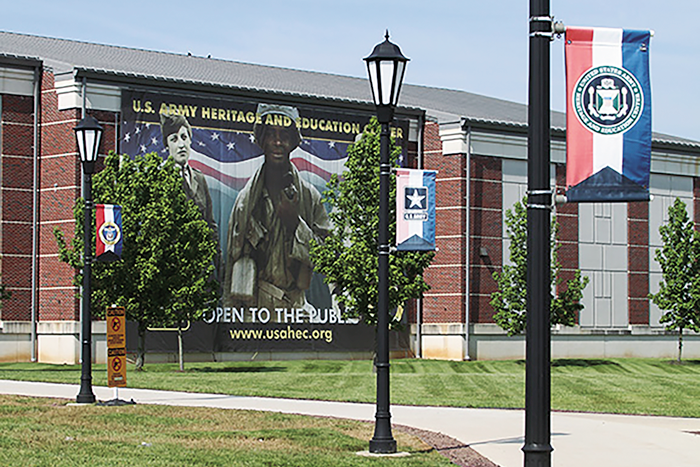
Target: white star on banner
(154,140)
(127,137)
(416,199)
(331,144)
(201,144)
(143,148)
(214,136)
(231,145)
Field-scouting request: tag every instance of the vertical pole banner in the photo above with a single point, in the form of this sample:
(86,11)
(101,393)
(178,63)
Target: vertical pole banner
(116,347)
(415,210)
(108,219)
(608,115)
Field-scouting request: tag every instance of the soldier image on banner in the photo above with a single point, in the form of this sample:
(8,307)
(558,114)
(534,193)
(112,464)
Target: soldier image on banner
(257,172)
(177,135)
(272,222)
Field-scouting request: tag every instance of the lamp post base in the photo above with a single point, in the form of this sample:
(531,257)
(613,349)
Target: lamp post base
(85,395)
(85,398)
(538,455)
(382,446)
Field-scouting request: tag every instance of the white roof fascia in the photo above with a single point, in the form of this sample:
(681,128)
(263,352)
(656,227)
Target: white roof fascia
(16,81)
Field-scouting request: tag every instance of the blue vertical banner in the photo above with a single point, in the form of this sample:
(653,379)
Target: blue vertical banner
(415,210)
(109,236)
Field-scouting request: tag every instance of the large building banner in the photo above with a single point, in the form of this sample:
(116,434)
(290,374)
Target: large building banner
(257,171)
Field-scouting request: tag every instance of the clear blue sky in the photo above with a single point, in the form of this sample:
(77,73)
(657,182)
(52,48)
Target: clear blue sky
(477,46)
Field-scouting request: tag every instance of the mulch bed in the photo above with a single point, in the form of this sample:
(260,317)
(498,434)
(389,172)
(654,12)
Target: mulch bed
(457,452)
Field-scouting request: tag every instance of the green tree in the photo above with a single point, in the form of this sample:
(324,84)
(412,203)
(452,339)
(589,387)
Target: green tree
(348,256)
(510,300)
(165,276)
(679,289)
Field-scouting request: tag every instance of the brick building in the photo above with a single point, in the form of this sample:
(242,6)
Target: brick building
(477,144)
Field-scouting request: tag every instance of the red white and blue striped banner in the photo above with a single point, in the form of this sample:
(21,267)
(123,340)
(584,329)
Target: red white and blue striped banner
(415,210)
(109,232)
(608,115)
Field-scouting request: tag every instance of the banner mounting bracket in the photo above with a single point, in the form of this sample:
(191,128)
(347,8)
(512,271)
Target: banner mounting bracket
(555,28)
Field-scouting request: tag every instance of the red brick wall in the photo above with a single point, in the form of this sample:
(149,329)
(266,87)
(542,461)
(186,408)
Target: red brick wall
(16,204)
(567,218)
(638,262)
(61,182)
(486,229)
(444,302)
(60,186)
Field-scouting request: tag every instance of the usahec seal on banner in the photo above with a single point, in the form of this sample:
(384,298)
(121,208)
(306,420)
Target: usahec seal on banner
(608,100)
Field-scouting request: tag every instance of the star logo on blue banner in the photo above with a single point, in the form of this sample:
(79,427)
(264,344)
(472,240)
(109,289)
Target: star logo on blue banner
(416,198)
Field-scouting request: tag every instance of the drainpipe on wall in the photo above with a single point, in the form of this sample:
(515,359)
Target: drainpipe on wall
(419,302)
(116,132)
(467,240)
(38,69)
(83,91)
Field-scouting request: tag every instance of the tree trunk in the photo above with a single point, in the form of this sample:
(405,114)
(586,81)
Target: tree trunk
(680,343)
(141,348)
(180,353)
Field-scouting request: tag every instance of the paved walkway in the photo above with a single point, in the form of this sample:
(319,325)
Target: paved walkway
(579,440)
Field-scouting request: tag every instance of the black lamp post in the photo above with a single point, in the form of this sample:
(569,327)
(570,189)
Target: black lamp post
(537,447)
(88,134)
(386,66)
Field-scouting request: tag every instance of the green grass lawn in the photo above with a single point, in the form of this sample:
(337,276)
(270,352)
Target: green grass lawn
(48,432)
(634,386)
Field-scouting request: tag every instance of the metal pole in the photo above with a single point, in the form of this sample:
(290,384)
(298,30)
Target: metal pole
(35,209)
(86,396)
(383,442)
(537,448)
(467,241)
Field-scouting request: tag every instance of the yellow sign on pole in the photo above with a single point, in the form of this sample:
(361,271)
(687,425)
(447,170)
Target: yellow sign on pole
(116,347)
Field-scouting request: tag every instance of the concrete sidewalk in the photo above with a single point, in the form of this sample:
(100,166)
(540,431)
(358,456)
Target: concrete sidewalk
(579,440)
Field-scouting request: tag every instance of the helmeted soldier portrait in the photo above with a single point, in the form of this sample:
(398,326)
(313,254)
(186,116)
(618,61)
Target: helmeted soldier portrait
(273,219)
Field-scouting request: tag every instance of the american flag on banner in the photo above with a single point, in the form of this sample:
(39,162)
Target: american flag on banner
(109,232)
(608,115)
(228,158)
(415,210)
